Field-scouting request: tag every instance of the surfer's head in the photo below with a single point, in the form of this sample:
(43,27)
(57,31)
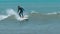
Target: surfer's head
(18,6)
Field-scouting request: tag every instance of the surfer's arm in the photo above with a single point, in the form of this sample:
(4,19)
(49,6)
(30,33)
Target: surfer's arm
(22,8)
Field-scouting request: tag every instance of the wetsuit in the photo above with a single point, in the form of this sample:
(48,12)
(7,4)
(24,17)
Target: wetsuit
(20,10)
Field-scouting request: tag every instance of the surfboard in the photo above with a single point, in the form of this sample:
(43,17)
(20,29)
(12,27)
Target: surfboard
(23,18)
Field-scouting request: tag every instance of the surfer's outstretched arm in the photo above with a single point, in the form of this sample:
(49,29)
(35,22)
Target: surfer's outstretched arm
(22,8)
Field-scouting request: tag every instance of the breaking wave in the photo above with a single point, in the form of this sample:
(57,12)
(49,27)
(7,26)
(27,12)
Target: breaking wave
(11,14)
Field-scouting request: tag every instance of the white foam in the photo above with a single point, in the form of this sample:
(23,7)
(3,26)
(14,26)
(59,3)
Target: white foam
(51,13)
(34,12)
(3,17)
(25,17)
(11,12)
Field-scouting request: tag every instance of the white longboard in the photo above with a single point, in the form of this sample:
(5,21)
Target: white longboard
(23,18)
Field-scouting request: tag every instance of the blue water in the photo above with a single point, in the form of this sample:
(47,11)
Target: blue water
(43,17)
(28,5)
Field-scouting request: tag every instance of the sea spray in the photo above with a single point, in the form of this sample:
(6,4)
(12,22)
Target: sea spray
(11,12)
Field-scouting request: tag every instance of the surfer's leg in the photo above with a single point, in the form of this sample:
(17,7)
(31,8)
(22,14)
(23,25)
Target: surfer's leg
(20,14)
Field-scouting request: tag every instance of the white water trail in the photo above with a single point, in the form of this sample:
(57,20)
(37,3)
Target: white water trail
(11,12)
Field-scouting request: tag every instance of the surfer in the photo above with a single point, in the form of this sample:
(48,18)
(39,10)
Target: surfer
(20,11)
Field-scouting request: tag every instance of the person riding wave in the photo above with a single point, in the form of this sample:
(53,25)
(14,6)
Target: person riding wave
(20,11)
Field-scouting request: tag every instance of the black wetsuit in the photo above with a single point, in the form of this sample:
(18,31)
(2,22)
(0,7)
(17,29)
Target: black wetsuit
(20,10)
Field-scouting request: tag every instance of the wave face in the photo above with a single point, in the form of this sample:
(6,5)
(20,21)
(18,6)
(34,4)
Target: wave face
(32,16)
(37,23)
(48,17)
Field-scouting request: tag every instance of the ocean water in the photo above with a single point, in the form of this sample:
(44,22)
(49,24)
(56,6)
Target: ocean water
(43,17)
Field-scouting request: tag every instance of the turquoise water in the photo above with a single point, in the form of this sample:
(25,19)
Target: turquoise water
(43,17)
(29,5)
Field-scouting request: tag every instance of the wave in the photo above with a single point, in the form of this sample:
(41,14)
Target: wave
(12,15)
(39,15)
